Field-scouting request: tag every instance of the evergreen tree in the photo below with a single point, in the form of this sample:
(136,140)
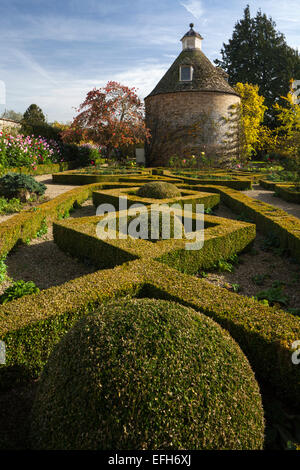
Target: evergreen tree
(34,123)
(34,115)
(258,54)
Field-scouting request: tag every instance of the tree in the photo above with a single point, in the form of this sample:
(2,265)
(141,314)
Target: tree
(13,115)
(112,116)
(252,110)
(34,123)
(34,115)
(288,133)
(259,54)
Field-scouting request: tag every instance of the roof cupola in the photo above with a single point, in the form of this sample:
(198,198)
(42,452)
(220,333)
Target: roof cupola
(192,40)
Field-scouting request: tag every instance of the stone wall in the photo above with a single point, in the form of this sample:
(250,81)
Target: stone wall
(9,124)
(188,123)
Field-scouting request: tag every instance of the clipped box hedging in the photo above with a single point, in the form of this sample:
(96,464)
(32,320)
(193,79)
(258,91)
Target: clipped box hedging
(265,334)
(235,183)
(160,358)
(75,178)
(24,226)
(112,196)
(267,218)
(32,325)
(45,169)
(269,185)
(284,191)
(222,238)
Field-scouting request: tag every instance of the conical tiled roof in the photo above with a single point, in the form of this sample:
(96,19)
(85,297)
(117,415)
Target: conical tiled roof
(206,77)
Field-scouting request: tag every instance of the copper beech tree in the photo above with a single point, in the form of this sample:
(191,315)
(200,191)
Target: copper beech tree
(112,116)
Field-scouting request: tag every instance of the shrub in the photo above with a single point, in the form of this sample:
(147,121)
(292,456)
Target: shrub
(158,190)
(18,289)
(10,206)
(47,131)
(30,151)
(19,185)
(273,295)
(147,374)
(88,153)
(83,154)
(268,219)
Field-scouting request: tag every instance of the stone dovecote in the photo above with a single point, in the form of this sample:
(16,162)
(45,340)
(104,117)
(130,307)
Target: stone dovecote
(188,110)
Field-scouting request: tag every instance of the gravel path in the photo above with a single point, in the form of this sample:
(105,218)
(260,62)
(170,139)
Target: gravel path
(268,265)
(53,190)
(43,262)
(268,196)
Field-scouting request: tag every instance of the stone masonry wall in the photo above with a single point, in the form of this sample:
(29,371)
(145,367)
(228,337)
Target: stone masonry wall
(187,123)
(8,124)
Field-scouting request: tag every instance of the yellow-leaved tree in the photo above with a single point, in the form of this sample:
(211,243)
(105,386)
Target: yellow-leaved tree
(288,132)
(251,114)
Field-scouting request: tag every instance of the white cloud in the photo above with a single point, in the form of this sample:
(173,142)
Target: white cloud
(29,62)
(59,100)
(194,7)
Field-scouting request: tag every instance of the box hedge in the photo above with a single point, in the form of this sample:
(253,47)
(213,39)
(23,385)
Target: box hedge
(45,169)
(75,178)
(267,218)
(112,196)
(285,193)
(222,239)
(25,225)
(32,325)
(182,372)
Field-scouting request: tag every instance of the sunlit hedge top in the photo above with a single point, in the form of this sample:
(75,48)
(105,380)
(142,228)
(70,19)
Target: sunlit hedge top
(147,374)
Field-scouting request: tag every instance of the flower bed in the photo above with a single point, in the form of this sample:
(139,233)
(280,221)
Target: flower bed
(27,151)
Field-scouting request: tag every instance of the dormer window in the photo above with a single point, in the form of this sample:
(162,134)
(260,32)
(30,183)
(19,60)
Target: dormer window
(186,73)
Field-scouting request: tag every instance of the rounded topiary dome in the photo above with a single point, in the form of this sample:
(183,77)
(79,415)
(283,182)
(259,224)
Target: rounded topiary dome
(158,190)
(147,374)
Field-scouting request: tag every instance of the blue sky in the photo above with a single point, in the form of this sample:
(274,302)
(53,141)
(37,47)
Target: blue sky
(53,52)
